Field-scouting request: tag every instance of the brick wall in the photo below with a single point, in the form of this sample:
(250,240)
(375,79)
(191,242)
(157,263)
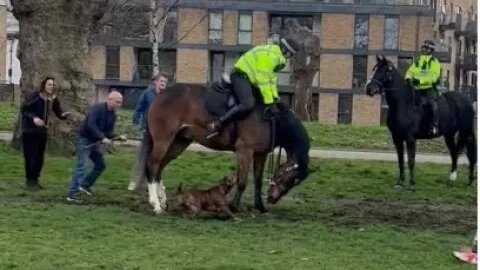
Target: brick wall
(230,27)
(337,31)
(187,19)
(408,32)
(259,27)
(127,63)
(192,66)
(328,108)
(366,110)
(97,62)
(336,71)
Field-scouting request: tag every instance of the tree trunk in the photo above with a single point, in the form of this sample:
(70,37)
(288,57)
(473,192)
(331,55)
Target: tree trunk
(303,75)
(155,36)
(304,66)
(53,40)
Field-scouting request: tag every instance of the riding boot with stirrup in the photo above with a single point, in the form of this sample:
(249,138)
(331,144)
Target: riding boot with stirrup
(214,127)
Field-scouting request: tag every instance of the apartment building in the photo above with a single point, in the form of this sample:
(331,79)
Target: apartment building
(456,25)
(202,39)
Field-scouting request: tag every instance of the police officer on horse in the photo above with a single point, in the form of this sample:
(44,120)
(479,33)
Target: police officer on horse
(255,70)
(424,74)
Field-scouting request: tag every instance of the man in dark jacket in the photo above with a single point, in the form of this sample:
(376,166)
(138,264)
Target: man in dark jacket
(35,113)
(97,128)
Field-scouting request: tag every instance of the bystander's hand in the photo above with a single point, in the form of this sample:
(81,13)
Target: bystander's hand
(38,122)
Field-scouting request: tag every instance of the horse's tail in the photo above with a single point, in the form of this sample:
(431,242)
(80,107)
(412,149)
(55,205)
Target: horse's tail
(472,148)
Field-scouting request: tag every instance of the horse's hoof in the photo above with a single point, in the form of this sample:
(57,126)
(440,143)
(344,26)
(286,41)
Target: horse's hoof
(158,210)
(260,209)
(410,188)
(235,208)
(398,186)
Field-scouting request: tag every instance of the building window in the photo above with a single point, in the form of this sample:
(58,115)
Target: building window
(215,27)
(283,24)
(403,64)
(245,28)
(361,32)
(112,71)
(168,63)
(144,63)
(170,31)
(391,33)
(344,115)
(217,65)
(359,78)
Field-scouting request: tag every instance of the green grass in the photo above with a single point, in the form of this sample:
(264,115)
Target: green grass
(346,215)
(8,115)
(322,135)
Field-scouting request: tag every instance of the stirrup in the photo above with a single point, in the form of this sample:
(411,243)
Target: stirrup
(213,134)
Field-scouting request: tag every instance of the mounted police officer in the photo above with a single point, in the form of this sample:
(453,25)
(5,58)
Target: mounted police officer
(255,69)
(424,74)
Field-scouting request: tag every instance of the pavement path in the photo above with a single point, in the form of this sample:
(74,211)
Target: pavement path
(324,153)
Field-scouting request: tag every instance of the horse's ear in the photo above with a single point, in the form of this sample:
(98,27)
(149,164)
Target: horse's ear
(379,58)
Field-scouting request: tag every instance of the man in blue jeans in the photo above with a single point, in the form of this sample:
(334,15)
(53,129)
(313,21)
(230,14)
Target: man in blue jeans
(97,128)
(140,116)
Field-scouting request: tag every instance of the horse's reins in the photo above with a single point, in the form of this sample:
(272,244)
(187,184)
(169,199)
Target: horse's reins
(98,143)
(272,165)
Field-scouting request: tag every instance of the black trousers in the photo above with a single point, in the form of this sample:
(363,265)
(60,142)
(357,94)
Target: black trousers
(34,144)
(431,97)
(243,90)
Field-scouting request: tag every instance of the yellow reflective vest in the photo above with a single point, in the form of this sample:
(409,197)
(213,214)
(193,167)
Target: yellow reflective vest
(260,65)
(426,69)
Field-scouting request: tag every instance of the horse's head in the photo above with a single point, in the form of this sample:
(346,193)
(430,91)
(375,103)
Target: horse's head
(285,178)
(382,76)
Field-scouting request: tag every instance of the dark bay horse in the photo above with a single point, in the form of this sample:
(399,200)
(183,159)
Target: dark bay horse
(178,117)
(409,121)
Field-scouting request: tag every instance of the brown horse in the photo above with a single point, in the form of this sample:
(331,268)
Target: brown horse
(178,117)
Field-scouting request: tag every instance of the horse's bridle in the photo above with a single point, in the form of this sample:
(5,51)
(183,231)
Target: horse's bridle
(381,83)
(287,170)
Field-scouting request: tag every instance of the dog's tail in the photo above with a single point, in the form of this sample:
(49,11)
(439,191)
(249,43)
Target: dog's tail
(179,189)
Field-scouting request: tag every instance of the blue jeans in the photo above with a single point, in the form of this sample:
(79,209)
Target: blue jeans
(84,149)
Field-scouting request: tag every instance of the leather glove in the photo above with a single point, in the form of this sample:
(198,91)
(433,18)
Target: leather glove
(282,107)
(415,81)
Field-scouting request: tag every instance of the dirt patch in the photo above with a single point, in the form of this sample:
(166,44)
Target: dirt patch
(419,215)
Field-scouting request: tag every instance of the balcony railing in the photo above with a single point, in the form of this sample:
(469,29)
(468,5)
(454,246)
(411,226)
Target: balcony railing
(468,62)
(449,21)
(467,25)
(423,3)
(443,51)
(469,91)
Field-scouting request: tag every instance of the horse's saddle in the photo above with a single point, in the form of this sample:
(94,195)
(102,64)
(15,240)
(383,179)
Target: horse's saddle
(219,97)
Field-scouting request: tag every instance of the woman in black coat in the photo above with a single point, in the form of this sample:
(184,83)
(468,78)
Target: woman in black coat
(36,111)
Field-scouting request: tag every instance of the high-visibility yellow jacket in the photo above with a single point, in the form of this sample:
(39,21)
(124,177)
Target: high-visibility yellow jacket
(260,64)
(426,69)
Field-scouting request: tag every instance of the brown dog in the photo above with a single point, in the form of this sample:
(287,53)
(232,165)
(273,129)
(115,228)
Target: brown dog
(213,199)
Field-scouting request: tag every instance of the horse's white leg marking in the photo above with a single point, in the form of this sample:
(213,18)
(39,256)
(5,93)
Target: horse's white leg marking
(153,197)
(453,176)
(162,195)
